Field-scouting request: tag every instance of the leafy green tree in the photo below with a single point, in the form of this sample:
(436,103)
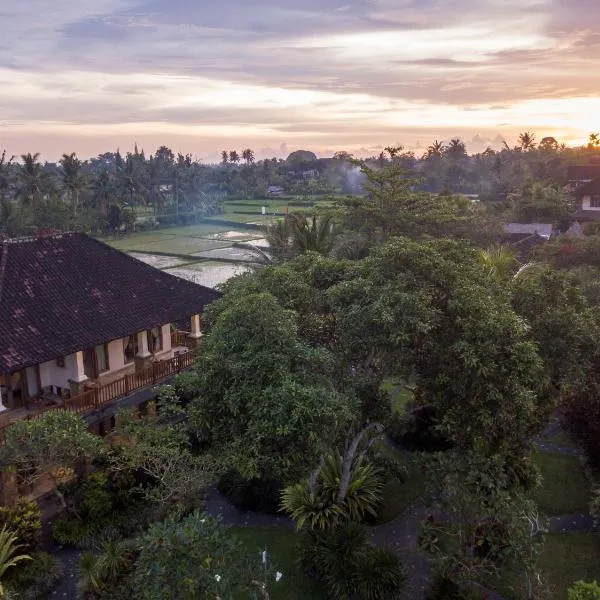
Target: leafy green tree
(160,450)
(194,559)
(582,590)
(484,519)
(264,397)
(49,446)
(527,140)
(539,203)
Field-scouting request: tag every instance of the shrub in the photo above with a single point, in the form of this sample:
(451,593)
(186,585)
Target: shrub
(442,588)
(24,521)
(250,494)
(584,591)
(34,579)
(350,568)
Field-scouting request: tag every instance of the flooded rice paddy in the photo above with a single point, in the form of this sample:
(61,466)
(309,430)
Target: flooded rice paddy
(203,254)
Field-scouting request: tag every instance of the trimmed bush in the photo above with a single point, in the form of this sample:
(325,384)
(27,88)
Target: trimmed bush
(35,578)
(350,568)
(23,520)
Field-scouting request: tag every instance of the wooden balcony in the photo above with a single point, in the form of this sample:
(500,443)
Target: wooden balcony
(180,339)
(100,395)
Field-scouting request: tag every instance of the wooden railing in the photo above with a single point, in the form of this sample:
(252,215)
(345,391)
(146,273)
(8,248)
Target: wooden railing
(101,395)
(180,338)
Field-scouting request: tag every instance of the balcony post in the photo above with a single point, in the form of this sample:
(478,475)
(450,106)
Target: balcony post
(77,382)
(196,333)
(143,358)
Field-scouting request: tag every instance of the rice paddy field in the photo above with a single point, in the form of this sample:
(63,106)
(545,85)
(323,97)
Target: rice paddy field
(204,253)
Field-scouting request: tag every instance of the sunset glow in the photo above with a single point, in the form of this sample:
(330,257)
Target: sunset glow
(329,75)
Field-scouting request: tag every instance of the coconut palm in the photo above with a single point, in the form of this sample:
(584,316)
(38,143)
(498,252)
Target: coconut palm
(436,149)
(594,140)
(30,180)
(311,235)
(8,554)
(499,260)
(455,149)
(102,190)
(279,236)
(73,179)
(527,140)
(234,157)
(224,157)
(248,156)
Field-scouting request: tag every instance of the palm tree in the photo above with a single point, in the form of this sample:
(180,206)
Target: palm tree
(311,235)
(455,149)
(73,180)
(322,504)
(435,150)
(527,140)
(248,156)
(279,236)
(102,189)
(499,260)
(30,180)
(234,157)
(8,556)
(594,140)
(224,157)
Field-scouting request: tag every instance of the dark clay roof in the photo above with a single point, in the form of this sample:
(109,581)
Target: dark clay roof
(64,293)
(583,172)
(588,189)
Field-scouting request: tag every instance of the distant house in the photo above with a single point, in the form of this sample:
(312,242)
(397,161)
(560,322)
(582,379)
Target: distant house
(77,315)
(581,174)
(524,237)
(588,199)
(544,230)
(274,191)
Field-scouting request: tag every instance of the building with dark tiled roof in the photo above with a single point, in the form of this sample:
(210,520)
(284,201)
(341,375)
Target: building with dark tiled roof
(75,312)
(588,198)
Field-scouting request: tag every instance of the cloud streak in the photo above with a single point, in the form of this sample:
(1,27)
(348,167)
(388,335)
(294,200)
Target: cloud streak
(321,73)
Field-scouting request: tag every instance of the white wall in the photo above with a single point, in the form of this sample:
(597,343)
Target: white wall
(116,357)
(52,374)
(585,204)
(166,336)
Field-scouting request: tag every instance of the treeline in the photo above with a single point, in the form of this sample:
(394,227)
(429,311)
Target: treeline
(112,191)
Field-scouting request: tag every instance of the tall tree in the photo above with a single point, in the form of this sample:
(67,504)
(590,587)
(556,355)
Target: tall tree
(74,182)
(30,181)
(248,155)
(527,140)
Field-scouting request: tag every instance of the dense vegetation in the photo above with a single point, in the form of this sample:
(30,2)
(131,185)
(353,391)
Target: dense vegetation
(288,407)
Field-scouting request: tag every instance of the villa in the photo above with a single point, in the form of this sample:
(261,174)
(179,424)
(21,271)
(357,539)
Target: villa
(83,324)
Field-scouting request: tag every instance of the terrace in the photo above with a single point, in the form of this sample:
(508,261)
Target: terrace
(98,395)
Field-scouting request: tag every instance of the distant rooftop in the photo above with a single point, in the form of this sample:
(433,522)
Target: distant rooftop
(544,230)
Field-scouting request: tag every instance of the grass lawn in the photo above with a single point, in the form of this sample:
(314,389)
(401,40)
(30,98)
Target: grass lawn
(561,438)
(565,559)
(399,495)
(569,557)
(564,488)
(400,394)
(280,545)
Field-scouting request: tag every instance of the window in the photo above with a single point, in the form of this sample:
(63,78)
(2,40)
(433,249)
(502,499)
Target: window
(101,353)
(130,348)
(594,201)
(60,362)
(155,341)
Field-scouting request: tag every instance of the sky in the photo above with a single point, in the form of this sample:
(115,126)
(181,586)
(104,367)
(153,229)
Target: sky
(277,75)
